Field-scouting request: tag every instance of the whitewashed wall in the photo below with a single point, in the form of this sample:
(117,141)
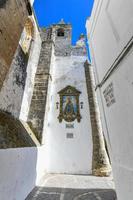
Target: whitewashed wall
(65,155)
(110,29)
(20,170)
(119,119)
(110,33)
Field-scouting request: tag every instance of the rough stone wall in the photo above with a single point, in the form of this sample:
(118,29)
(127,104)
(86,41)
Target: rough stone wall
(3,71)
(78,51)
(32,65)
(100,165)
(13,15)
(19,83)
(46,34)
(37,107)
(12,133)
(12,91)
(62,44)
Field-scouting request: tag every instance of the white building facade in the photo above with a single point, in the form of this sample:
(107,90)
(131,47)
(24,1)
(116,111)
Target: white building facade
(67,136)
(110,35)
(48,114)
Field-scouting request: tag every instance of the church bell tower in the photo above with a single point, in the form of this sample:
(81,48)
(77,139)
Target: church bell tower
(67,127)
(61,35)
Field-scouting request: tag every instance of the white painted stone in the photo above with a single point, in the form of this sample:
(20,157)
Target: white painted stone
(72,156)
(120,127)
(20,170)
(110,30)
(77,182)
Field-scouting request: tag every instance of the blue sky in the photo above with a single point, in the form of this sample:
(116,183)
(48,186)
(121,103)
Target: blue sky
(72,11)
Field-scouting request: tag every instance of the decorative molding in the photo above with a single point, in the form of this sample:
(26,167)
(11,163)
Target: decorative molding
(69,104)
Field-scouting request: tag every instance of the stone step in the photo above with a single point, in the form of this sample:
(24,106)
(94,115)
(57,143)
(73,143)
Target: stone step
(74,187)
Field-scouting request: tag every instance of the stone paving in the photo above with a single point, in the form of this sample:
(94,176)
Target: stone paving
(70,187)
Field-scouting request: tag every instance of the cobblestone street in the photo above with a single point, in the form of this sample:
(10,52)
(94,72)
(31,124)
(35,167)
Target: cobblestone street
(65,187)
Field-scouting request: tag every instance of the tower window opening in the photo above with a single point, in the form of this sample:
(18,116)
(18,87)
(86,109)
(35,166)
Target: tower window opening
(28,5)
(60,32)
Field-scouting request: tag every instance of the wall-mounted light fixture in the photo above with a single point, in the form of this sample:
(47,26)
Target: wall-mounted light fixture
(81,105)
(57,105)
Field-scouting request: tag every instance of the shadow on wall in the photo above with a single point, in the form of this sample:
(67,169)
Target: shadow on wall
(17,172)
(20,168)
(14,133)
(12,91)
(63,193)
(13,15)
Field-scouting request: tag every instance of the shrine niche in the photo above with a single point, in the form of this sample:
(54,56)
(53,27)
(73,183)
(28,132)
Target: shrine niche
(27,35)
(69,104)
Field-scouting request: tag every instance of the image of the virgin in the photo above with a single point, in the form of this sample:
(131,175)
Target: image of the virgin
(69,107)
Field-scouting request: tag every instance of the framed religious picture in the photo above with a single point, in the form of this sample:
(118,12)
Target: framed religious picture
(69,104)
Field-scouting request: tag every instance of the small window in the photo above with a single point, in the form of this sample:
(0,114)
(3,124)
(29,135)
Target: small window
(60,32)
(29,8)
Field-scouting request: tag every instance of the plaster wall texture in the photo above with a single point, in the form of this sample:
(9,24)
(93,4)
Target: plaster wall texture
(17,90)
(109,29)
(13,15)
(20,170)
(120,126)
(110,37)
(65,155)
(62,45)
(13,87)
